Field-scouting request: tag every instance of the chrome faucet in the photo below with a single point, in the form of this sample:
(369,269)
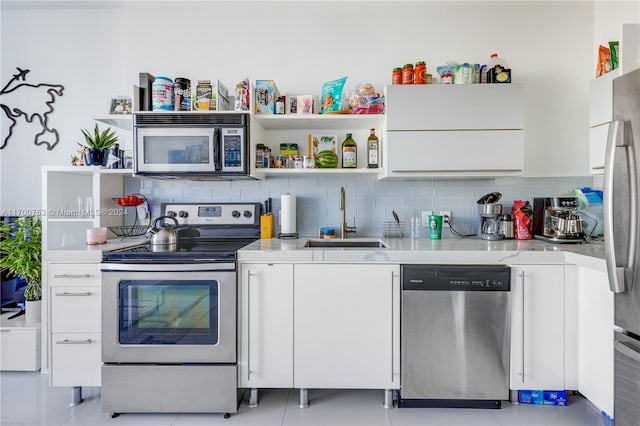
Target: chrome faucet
(344,228)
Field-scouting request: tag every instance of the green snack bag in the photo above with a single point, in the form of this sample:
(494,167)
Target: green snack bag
(613,46)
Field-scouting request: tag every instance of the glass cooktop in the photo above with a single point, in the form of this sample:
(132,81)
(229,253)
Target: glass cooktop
(184,252)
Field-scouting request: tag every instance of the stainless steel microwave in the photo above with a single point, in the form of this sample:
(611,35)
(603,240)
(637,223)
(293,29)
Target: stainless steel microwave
(190,144)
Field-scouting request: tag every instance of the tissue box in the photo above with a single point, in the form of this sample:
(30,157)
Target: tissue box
(266,96)
(543,397)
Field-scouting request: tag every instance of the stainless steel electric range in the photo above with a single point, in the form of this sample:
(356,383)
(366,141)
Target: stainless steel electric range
(169,317)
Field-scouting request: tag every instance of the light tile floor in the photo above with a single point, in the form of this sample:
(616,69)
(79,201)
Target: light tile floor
(27,399)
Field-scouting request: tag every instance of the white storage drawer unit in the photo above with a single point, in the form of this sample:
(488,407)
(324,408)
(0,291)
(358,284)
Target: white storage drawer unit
(472,130)
(75,303)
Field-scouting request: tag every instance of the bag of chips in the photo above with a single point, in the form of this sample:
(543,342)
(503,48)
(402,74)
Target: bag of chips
(604,61)
(522,214)
(332,95)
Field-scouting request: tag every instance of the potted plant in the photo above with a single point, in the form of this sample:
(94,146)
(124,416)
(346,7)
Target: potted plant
(21,254)
(98,145)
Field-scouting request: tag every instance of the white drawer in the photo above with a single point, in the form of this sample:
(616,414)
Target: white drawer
(76,309)
(19,349)
(67,274)
(75,359)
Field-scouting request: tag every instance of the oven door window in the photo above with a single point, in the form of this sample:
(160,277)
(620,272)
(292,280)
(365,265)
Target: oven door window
(168,312)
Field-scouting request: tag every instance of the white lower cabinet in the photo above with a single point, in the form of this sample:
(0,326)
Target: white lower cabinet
(75,297)
(266,326)
(19,344)
(537,327)
(347,326)
(595,338)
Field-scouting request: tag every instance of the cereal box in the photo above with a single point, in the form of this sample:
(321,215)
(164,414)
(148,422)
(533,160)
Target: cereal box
(266,94)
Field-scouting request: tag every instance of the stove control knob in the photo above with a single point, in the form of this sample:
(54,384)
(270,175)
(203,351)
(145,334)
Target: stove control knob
(247,213)
(171,213)
(235,213)
(182,213)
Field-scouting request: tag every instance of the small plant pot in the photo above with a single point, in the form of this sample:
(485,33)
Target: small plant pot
(97,157)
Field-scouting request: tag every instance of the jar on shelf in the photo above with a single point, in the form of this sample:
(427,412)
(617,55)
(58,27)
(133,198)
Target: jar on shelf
(407,74)
(420,72)
(396,76)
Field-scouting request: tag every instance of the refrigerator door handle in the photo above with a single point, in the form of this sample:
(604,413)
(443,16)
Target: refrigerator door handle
(627,350)
(616,275)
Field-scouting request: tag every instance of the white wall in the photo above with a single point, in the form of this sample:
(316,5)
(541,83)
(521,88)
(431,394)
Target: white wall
(97,49)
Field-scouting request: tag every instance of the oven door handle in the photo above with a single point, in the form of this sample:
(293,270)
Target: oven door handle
(167,267)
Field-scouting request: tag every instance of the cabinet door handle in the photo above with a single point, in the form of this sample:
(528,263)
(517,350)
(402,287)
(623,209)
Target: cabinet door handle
(5,330)
(72,276)
(392,324)
(66,293)
(74,342)
(522,301)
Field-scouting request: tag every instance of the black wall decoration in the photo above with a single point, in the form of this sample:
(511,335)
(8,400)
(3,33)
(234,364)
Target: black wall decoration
(38,102)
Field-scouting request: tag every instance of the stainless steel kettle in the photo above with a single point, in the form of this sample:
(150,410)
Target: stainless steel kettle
(164,238)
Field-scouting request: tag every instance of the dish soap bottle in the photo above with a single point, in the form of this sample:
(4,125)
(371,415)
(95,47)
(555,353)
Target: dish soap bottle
(349,153)
(372,150)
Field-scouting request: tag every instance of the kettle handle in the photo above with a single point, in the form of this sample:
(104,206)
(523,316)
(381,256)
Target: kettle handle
(155,222)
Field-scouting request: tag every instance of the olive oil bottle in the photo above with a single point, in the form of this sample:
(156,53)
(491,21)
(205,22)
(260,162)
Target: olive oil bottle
(349,153)
(373,157)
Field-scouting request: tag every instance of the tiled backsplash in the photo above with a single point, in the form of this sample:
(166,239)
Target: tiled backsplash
(368,200)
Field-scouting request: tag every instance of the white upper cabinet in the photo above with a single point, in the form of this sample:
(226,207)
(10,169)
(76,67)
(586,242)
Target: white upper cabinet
(455,107)
(474,130)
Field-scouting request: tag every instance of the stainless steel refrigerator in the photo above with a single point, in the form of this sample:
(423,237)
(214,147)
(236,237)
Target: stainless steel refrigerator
(621,193)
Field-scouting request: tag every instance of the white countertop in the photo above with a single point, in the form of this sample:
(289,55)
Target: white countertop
(90,253)
(449,250)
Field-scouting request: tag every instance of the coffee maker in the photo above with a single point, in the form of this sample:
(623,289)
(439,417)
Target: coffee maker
(555,219)
(490,217)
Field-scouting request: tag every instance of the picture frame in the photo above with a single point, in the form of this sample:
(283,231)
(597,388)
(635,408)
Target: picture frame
(121,106)
(322,142)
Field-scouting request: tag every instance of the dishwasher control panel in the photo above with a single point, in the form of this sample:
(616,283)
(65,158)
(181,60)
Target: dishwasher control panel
(456,277)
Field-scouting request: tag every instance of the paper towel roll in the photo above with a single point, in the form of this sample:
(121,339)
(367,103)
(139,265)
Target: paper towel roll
(288,214)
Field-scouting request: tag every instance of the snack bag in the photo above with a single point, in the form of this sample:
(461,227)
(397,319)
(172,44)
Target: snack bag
(613,48)
(604,61)
(332,95)
(522,214)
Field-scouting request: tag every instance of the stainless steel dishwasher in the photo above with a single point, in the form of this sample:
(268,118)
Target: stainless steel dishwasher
(455,336)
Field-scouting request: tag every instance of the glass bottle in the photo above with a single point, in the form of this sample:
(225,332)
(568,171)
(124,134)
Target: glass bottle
(372,150)
(349,153)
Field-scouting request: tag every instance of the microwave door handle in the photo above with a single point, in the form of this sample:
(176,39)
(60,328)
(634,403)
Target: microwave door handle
(217,148)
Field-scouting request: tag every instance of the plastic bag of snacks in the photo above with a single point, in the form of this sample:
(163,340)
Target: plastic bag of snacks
(604,61)
(366,100)
(522,214)
(332,95)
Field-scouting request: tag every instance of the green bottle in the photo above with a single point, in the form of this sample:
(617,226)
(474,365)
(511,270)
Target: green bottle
(349,153)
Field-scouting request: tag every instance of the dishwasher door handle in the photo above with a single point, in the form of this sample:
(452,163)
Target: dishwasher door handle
(522,301)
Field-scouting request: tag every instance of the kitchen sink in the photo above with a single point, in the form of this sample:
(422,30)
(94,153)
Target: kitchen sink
(345,243)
